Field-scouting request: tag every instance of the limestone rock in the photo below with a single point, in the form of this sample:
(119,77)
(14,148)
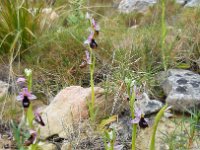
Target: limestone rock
(66,146)
(70,106)
(47,146)
(127,6)
(182,88)
(149,106)
(192,3)
(3,88)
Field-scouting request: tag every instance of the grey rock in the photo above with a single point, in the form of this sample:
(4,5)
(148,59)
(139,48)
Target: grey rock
(182,88)
(149,106)
(127,6)
(192,3)
(3,88)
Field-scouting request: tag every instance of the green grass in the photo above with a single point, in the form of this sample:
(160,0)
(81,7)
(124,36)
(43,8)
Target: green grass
(186,132)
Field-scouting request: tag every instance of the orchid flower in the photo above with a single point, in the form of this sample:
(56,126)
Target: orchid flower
(139,118)
(86,60)
(25,93)
(21,82)
(87,57)
(25,96)
(91,41)
(95,25)
(38,118)
(32,138)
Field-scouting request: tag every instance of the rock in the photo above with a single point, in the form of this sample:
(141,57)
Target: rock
(66,146)
(47,146)
(70,107)
(127,6)
(182,88)
(3,88)
(149,106)
(192,3)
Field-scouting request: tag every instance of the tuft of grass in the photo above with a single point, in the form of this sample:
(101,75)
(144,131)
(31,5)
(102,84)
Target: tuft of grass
(186,132)
(18,26)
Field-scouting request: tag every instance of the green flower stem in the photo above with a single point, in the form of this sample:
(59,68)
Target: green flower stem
(30,82)
(157,119)
(132,101)
(92,103)
(164,32)
(134,130)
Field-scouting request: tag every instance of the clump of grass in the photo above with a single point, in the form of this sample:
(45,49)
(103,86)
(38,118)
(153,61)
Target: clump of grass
(186,131)
(18,26)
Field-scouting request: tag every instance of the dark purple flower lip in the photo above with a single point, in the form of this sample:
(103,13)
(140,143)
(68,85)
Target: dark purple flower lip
(26,102)
(93,44)
(143,123)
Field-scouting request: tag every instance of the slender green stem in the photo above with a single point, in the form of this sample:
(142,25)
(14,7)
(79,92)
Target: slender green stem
(157,119)
(132,101)
(134,130)
(164,32)
(30,82)
(92,103)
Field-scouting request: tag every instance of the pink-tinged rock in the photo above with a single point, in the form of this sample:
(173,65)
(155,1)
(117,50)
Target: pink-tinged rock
(70,106)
